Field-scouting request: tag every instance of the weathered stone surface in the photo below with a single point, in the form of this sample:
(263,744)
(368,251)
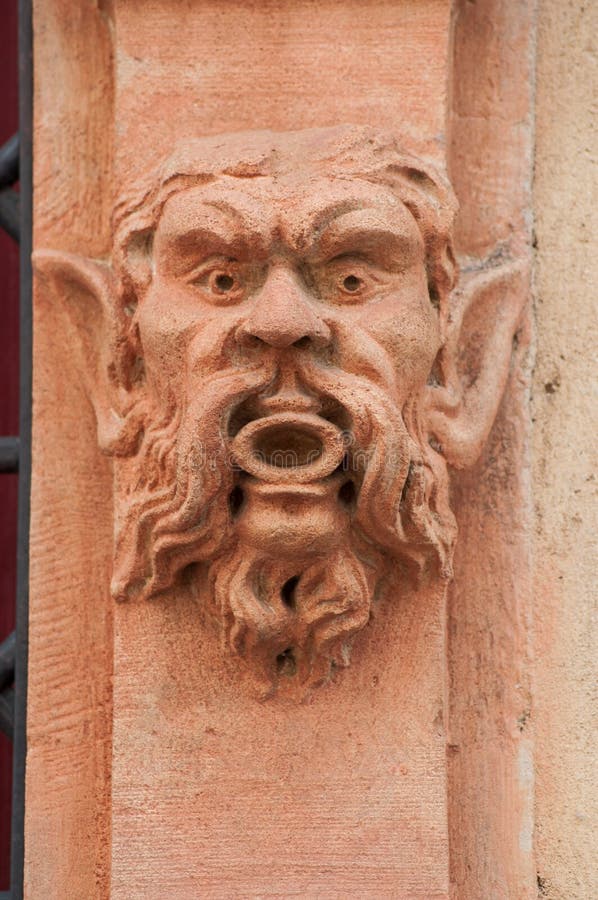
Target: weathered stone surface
(280,366)
(251,766)
(490,602)
(564,472)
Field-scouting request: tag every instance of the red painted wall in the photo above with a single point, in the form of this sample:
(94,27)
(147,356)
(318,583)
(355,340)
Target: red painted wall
(9,402)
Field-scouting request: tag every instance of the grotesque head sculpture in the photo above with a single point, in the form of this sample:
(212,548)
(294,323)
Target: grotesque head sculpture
(279,377)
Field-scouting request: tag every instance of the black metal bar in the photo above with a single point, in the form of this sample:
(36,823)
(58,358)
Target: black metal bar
(9,454)
(9,162)
(10,216)
(17,854)
(7,661)
(7,712)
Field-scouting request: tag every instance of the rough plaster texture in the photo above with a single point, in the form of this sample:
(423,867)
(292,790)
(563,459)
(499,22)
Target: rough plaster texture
(564,471)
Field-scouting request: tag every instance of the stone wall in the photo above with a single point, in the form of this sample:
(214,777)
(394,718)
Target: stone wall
(564,467)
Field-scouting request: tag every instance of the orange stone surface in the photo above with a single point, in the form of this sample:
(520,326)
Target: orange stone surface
(198,744)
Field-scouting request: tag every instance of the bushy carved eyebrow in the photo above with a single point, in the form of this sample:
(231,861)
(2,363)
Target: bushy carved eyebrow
(229,210)
(324,217)
(216,215)
(191,246)
(200,233)
(363,233)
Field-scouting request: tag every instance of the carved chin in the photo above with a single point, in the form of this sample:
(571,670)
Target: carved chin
(292,592)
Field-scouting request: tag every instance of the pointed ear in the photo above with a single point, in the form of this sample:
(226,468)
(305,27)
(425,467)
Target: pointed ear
(474,363)
(87,292)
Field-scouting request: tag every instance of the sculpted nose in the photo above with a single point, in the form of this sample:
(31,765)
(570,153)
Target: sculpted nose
(282,315)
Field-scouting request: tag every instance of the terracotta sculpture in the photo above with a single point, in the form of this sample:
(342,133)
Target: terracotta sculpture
(282,367)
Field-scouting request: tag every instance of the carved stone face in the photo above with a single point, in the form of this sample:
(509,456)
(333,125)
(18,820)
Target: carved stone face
(289,273)
(286,324)
(298,286)
(281,379)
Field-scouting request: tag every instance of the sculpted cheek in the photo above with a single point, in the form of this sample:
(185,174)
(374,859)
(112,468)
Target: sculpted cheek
(164,335)
(412,340)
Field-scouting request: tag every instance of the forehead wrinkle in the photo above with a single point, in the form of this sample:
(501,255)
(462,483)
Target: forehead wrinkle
(299,235)
(229,210)
(251,202)
(311,232)
(259,209)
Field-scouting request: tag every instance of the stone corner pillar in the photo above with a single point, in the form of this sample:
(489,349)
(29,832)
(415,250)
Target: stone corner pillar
(280,422)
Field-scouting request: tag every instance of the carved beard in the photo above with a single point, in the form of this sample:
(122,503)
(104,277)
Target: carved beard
(287,613)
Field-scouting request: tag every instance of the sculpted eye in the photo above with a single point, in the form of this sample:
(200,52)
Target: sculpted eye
(349,279)
(352,283)
(223,283)
(220,284)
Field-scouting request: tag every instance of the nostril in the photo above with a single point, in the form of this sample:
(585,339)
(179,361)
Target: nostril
(247,338)
(282,330)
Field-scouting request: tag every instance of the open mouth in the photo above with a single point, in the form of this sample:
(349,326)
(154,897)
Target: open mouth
(294,447)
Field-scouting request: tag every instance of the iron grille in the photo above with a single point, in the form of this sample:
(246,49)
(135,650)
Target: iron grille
(15,451)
